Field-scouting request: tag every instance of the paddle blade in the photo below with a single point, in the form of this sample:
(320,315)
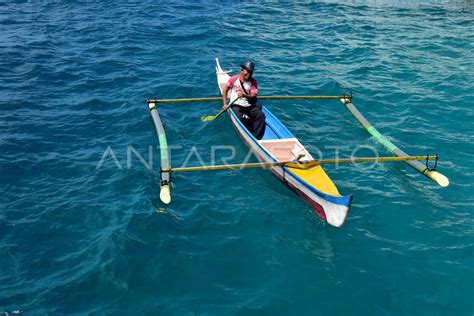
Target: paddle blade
(208,118)
(211,117)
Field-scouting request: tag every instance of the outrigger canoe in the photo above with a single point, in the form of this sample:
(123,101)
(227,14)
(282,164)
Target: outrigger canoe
(279,144)
(287,158)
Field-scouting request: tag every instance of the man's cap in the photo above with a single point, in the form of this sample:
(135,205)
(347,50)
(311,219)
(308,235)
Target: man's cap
(249,65)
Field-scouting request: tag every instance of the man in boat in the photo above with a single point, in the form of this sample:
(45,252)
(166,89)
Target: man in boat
(244,86)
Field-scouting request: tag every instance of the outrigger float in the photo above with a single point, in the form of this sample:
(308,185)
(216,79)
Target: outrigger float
(283,154)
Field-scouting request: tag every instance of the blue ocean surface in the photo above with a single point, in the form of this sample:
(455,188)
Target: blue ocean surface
(82,228)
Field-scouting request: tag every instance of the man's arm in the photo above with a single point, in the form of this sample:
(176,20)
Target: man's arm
(248,96)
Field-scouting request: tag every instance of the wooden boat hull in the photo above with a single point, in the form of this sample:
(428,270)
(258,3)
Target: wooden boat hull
(278,144)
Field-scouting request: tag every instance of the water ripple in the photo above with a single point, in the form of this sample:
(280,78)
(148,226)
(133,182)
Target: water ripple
(79,238)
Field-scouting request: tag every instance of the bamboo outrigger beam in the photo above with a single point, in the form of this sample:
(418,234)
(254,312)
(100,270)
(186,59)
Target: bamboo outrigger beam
(437,177)
(298,164)
(269,97)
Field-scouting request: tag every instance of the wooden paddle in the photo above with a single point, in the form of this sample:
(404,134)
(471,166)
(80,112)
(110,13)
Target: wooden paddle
(210,118)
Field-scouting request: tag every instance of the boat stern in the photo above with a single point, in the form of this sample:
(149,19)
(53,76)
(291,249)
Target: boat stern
(334,214)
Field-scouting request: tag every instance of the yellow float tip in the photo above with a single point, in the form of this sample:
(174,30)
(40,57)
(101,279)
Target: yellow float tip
(439,178)
(165,195)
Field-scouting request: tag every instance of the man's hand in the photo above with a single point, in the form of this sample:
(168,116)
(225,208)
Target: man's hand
(241,94)
(225,106)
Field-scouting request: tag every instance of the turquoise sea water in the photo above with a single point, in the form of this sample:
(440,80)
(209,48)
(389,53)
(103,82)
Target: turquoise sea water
(78,236)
